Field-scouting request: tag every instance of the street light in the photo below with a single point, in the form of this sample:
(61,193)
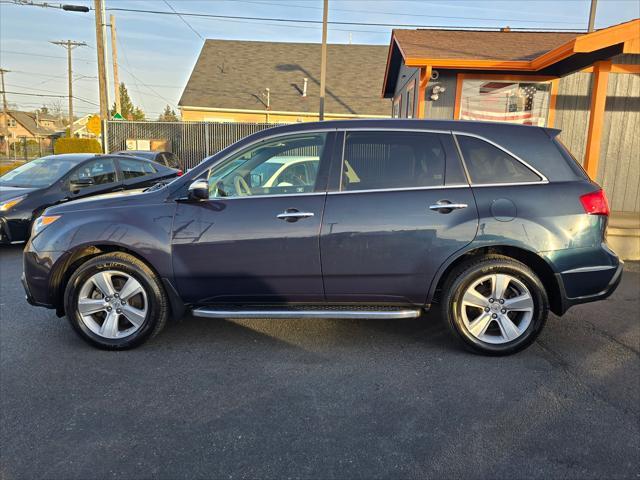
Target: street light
(75,8)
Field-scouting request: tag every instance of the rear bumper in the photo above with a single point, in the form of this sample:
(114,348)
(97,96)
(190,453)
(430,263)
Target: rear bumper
(588,284)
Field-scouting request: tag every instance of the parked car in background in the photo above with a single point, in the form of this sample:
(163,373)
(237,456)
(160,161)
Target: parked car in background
(27,190)
(167,159)
(495,222)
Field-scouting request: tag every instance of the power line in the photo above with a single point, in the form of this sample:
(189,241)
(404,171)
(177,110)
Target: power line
(314,22)
(84,60)
(428,15)
(185,22)
(49,95)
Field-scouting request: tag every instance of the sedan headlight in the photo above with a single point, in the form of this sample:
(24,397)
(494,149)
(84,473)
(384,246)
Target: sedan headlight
(12,202)
(42,222)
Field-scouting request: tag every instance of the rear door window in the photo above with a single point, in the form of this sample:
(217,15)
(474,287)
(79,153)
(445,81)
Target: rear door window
(135,168)
(488,164)
(392,159)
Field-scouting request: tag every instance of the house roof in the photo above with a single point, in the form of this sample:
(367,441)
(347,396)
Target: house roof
(549,53)
(28,121)
(235,75)
(478,44)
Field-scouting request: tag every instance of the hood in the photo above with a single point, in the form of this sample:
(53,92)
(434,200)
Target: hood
(128,198)
(7,193)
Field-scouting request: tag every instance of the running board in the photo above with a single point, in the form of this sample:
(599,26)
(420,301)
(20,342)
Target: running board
(299,313)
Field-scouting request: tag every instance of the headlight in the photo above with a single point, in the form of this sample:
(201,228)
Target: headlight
(41,222)
(12,202)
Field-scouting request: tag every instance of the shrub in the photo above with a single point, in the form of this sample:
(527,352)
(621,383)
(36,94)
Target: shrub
(7,167)
(77,145)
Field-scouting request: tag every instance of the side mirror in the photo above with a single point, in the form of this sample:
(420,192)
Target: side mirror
(80,183)
(199,190)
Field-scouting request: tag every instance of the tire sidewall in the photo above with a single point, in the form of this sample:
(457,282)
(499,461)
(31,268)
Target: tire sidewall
(92,267)
(520,272)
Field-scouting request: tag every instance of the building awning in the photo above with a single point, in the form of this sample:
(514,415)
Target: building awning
(540,53)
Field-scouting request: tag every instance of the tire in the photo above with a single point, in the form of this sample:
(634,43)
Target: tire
(481,325)
(107,320)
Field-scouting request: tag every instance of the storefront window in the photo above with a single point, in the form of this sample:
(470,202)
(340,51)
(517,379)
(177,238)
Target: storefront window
(505,101)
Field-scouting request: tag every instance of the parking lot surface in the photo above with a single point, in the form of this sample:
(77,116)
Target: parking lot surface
(319,399)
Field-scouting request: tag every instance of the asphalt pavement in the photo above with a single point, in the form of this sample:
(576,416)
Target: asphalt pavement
(319,399)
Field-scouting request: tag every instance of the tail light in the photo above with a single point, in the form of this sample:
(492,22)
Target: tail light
(179,173)
(595,203)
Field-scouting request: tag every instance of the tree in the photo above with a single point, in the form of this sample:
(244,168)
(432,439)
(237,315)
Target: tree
(128,110)
(169,115)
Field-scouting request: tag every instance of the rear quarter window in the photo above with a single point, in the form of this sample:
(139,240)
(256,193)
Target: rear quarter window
(488,164)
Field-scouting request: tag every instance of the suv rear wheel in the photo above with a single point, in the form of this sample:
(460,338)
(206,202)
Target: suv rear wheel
(495,305)
(115,301)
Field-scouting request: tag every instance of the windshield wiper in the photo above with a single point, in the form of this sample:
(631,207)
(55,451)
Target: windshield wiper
(156,186)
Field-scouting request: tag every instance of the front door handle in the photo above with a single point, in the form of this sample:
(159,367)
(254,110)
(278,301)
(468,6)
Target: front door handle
(293,215)
(445,206)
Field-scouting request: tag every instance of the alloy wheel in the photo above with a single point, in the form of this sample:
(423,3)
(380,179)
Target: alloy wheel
(497,308)
(112,304)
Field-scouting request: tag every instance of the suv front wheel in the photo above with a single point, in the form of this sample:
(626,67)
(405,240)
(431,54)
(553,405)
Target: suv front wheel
(115,302)
(495,305)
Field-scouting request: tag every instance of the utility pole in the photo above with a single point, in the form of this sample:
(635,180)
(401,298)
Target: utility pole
(70,45)
(114,53)
(323,63)
(98,6)
(5,110)
(592,15)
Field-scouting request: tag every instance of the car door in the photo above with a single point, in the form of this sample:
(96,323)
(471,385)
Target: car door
(102,174)
(399,206)
(250,241)
(138,173)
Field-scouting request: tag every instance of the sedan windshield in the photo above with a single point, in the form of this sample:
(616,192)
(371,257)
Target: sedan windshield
(38,173)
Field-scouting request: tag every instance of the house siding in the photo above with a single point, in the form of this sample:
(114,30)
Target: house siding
(572,112)
(441,109)
(619,167)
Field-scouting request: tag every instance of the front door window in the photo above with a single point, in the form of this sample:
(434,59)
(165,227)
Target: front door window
(288,165)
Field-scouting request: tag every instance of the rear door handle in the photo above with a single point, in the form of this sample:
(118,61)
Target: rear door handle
(293,215)
(445,206)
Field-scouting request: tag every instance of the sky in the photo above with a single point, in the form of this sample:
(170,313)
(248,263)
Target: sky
(156,53)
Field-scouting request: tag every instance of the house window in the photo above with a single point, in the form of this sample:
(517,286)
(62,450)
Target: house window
(11,123)
(411,101)
(395,113)
(509,101)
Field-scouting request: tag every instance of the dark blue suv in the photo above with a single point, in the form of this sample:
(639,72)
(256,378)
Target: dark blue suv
(349,219)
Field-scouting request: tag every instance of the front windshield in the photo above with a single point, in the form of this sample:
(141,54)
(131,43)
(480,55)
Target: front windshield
(38,173)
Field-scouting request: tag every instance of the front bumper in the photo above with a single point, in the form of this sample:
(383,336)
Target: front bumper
(583,286)
(13,231)
(39,278)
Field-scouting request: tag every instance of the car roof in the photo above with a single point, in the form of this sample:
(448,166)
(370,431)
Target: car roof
(73,157)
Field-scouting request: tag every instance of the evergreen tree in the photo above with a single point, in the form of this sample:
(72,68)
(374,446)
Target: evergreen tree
(169,115)
(128,110)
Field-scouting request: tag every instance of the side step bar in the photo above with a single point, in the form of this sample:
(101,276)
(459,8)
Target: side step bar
(311,313)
